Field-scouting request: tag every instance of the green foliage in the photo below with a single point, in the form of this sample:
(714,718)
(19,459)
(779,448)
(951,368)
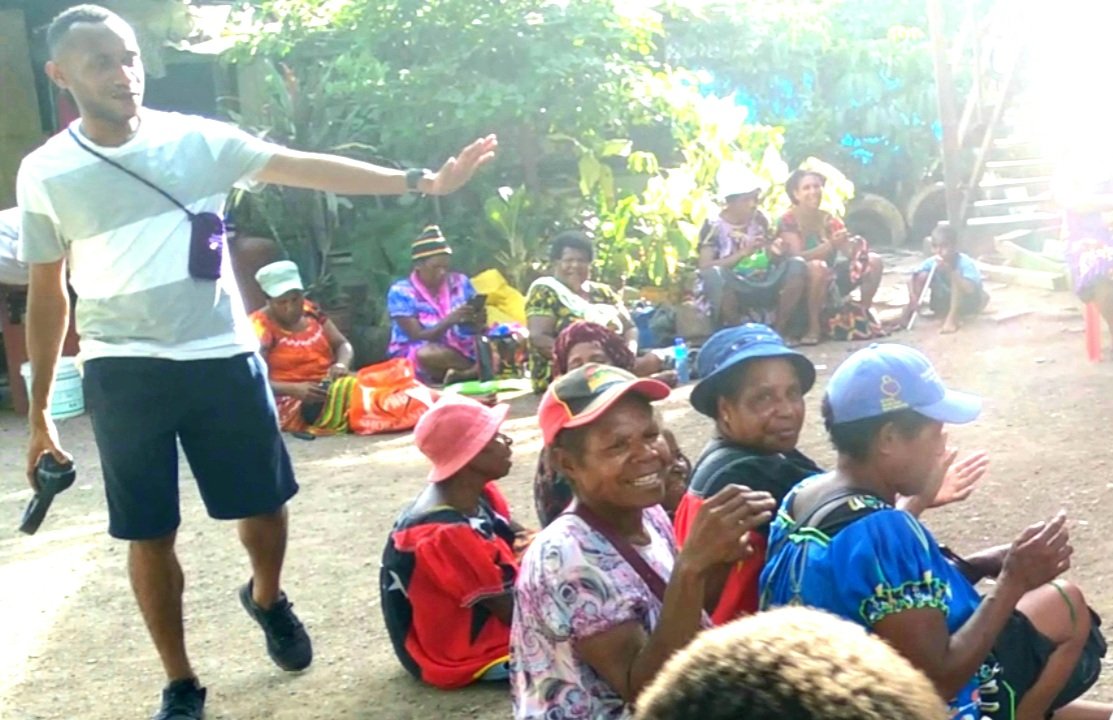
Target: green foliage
(849,80)
(413,81)
(600,124)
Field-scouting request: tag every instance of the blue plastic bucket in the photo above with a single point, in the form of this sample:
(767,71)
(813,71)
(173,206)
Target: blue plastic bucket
(68,399)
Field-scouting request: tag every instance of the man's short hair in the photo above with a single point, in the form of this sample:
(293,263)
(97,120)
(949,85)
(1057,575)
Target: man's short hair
(66,19)
(944,234)
(789,664)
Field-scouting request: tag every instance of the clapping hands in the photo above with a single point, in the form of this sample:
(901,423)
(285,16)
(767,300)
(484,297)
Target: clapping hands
(961,479)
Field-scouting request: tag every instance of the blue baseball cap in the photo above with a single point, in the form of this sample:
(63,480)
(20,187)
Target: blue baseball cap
(887,377)
(733,346)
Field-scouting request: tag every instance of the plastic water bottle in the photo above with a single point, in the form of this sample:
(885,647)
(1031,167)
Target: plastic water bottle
(680,352)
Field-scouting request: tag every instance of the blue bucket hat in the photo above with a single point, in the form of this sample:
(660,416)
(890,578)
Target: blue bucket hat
(887,377)
(733,346)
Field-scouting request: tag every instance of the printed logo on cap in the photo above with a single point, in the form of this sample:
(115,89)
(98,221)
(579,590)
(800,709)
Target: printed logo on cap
(600,376)
(890,391)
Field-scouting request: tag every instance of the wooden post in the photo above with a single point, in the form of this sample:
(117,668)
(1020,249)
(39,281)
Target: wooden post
(20,123)
(948,117)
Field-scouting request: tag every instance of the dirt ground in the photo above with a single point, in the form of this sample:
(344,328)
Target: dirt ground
(73,646)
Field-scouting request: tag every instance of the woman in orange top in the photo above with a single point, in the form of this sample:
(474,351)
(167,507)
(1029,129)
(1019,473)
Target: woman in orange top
(307,356)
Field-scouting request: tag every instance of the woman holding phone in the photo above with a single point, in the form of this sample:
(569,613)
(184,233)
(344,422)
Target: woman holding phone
(744,274)
(435,314)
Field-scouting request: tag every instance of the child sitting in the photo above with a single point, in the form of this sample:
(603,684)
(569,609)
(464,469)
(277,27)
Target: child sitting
(956,285)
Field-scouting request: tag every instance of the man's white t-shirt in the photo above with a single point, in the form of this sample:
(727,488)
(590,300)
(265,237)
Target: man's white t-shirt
(127,247)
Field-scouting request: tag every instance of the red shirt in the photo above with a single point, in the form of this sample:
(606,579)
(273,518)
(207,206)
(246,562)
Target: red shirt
(437,568)
(724,463)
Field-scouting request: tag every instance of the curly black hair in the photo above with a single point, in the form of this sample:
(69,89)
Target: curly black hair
(797,177)
(571,239)
(789,664)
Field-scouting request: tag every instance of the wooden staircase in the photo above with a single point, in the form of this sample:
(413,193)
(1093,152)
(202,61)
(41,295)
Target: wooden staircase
(996,179)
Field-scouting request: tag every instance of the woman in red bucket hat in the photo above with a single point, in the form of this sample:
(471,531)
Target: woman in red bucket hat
(449,565)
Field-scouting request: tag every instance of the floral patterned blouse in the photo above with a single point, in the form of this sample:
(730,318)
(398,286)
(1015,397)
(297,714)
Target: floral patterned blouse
(544,301)
(573,584)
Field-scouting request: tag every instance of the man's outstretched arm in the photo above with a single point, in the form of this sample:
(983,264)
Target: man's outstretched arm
(345,176)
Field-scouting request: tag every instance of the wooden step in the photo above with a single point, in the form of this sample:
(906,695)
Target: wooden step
(1016,220)
(1019,167)
(1010,142)
(1015,182)
(1006,203)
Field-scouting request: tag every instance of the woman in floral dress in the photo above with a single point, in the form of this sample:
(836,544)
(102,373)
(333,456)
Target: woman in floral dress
(603,597)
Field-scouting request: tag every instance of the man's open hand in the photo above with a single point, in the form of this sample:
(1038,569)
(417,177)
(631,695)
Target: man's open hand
(456,171)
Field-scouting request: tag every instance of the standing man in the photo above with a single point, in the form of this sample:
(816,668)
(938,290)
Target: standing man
(169,354)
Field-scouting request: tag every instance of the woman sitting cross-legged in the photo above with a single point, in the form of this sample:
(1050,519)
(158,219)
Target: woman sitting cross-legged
(742,268)
(308,358)
(1026,649)
(838,263)
(450,561)
(753,388)
(555,301)
(433,323)
(603,598)
(577,345)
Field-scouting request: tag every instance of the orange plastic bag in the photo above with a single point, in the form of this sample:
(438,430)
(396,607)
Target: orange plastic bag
(387,398)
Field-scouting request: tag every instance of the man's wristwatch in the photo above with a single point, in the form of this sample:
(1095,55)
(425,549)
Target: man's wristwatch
(415,176)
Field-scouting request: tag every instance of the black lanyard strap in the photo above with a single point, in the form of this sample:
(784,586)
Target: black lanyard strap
(138,177)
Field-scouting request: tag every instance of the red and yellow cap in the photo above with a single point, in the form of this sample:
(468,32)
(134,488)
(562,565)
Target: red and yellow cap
(583,395)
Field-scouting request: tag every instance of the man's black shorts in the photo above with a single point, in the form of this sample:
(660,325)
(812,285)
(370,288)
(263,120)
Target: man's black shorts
(221,410)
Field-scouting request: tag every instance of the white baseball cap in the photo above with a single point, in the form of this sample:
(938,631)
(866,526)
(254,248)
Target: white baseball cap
(737,180)
(279,278)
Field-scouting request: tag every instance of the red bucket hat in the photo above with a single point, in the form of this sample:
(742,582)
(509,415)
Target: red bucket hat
(581,396)
(454,431)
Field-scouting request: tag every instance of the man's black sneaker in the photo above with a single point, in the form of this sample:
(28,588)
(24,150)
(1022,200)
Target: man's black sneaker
(287,642)
(182,700)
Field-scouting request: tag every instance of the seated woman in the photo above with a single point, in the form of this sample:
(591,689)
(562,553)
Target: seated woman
(556,301)
(957,291)
(603,598)
(433,324)
(308,359)
(753,388)
(742,269)
(577,345)
(450,563)
(1026,650)
(837,262)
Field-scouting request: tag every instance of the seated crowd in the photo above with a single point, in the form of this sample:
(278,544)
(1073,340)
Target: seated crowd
(797,275)
(607,611)
(651,589)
